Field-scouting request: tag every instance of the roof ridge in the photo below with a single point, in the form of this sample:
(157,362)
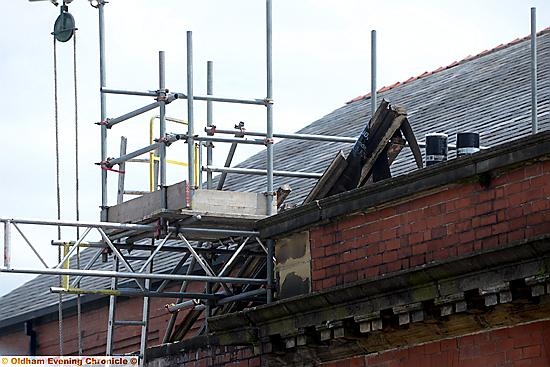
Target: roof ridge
(453,64)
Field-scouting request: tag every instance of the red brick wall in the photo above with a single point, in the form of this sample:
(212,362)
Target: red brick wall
(216,356)
(457,220)
(525,346)
(15,343)
(94,329)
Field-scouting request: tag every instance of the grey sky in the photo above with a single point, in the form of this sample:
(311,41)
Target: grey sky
(321,60)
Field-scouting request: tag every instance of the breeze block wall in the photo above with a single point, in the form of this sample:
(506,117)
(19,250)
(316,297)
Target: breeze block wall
(450,221)
(525,345)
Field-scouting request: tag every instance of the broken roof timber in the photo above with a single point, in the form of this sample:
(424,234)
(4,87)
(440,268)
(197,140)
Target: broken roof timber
(371,156)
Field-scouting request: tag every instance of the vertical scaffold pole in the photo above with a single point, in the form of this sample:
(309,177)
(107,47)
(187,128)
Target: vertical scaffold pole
(120,193)
(209,91)
(534,116)
(103,102)
(269,97)
(162,123)
(373,97)
(190,115)
(112,312)
(7,244)
(269,137)
(145,317)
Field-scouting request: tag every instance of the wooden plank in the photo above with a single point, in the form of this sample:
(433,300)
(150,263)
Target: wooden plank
(379,143)
(328,180)
(359,154)
(413,144)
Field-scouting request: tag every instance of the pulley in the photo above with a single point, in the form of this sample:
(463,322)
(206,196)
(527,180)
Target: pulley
(64,26)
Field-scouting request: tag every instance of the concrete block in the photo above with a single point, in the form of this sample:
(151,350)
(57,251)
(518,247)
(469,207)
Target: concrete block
(231,202)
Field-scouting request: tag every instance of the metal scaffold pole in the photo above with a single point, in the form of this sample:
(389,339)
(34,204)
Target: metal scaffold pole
(162,119)
(269,106)
(209,145)
(534,116)
(236,274)
(373,97)
(269,141)
(103,102)
(190,115)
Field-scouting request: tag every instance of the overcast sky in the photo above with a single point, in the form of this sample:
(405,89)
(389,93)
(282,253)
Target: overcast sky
(321,60)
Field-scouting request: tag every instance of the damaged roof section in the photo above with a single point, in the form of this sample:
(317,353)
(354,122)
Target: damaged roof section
(371,156)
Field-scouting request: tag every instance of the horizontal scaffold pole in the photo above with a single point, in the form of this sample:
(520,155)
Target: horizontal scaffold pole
(68,223)
(220,139)
(133,293)
(177,249)
(217,231)
(259,102)
(330,138)
(254,171)
(227,299)
(130,275)
(129,92)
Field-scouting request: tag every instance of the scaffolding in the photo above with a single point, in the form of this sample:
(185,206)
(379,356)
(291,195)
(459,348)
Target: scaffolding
(217,246)
(221,249)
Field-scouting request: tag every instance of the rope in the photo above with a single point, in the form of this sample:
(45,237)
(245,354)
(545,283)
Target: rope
(60,307)
(77,197)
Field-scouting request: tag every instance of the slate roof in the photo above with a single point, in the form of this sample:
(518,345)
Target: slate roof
(487,93)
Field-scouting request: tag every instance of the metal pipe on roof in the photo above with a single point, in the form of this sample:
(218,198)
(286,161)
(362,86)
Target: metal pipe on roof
(373,102)
(269,106)
(335,139)
(259,172)
(534,116)
(190,116)
(209,91)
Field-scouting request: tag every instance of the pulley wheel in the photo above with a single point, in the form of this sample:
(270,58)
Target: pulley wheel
(64,27)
